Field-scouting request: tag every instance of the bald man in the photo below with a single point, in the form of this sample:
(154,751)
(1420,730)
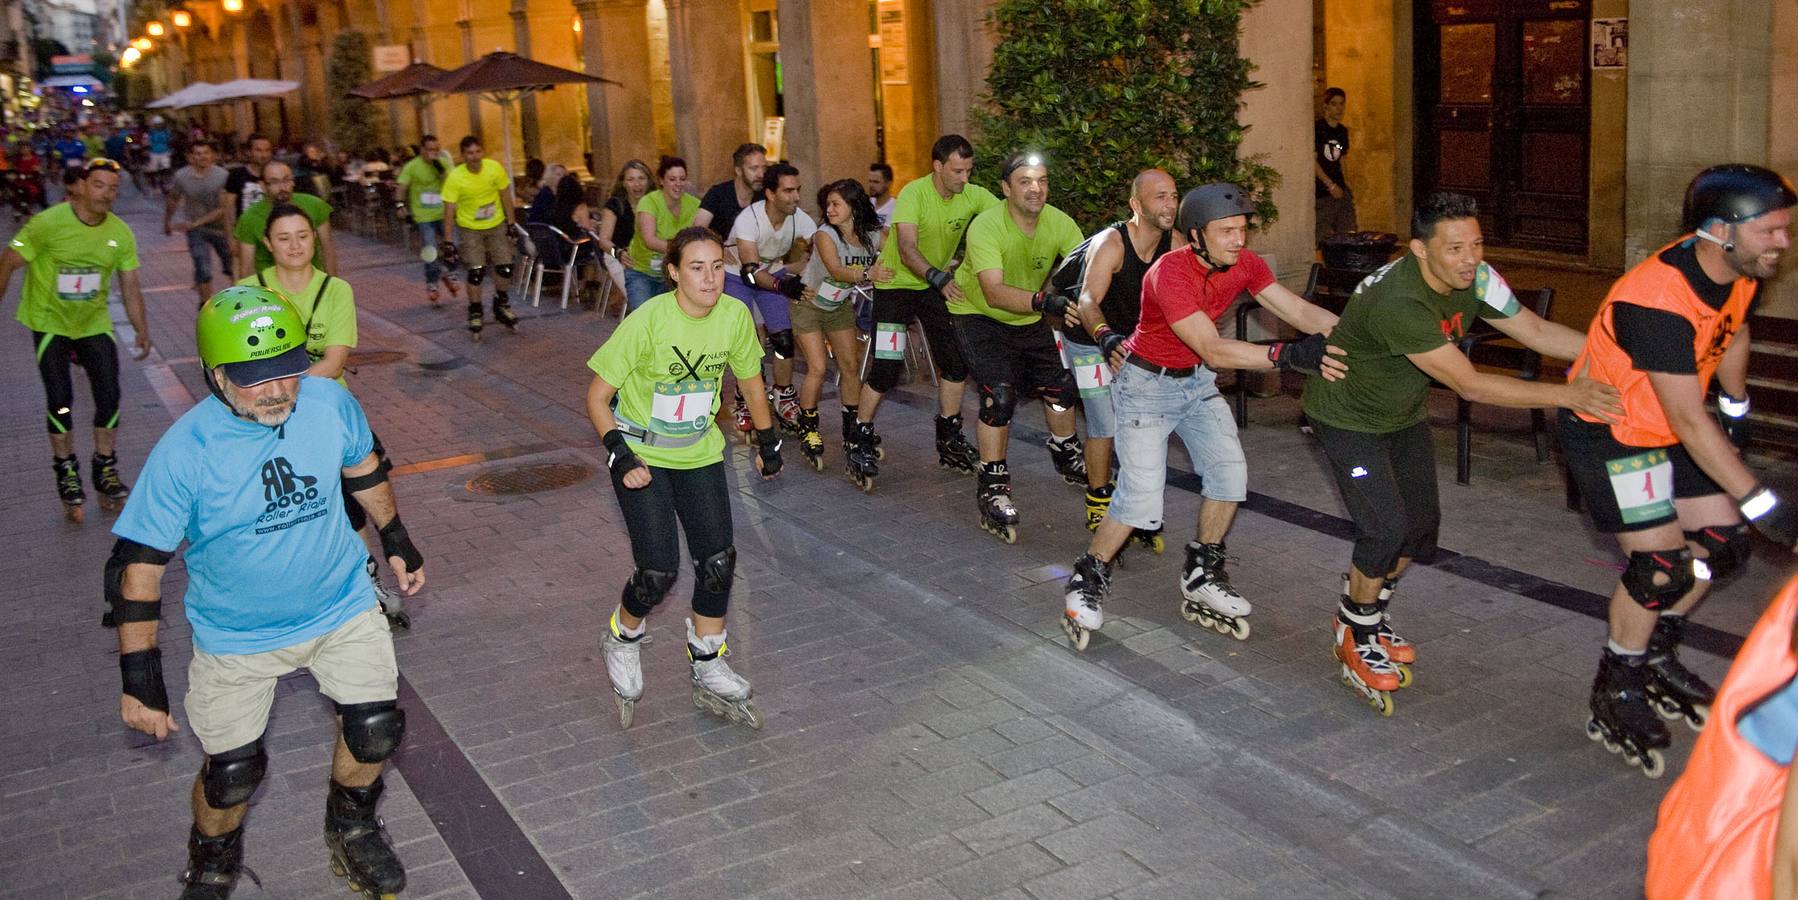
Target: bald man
(253,254)
(1110,298)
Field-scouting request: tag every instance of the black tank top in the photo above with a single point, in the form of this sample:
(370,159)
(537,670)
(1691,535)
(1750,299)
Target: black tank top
(1122,305)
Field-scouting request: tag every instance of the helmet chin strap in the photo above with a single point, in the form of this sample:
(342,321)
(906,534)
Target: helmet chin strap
(1204,252)
(212,384)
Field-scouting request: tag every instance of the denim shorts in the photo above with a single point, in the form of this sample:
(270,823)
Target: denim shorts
(202,245)
(638,288)
(1150,407)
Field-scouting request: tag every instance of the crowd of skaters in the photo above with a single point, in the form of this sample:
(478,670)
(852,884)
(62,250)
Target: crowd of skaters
(1113,332)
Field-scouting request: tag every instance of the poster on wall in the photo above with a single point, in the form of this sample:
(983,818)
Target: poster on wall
(1610,43)
(895,61)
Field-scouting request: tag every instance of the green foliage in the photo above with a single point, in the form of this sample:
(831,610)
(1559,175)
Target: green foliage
(353,120)
(1106,88)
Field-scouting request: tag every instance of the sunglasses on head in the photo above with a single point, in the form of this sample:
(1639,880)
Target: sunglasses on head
(100,165)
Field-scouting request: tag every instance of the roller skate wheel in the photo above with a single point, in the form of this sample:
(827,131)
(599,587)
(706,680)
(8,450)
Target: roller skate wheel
(1404,674)
(866,484)
(1653,764)
(1240,630)
(1189,612)
(880,453)
(76,514)
(817,463)
(399,621)
(1699,716)
(627,709)
(1381,701)
(1614,747)
(750,716)
(1666,708)
(1077,636)
(1006,533)
(112,504)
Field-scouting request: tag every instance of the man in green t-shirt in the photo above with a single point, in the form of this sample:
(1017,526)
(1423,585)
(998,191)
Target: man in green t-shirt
(477,205)
(70,252)
(928,221)
(422,179)
(277,183)
(1400,331)
(998,313)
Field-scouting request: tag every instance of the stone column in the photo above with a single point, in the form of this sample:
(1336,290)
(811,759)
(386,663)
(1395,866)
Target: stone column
(527,105)
(1276,34)
(711,106)
(614,35)
(964,53)
(829,90)
(240,68)
(465,22)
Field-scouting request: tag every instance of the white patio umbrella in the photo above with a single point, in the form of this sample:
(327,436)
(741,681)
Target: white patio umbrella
(194,94)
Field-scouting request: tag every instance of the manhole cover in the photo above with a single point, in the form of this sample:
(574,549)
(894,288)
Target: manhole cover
(374,357)
(528,479)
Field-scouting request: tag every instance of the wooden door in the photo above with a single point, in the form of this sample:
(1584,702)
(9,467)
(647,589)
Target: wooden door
(1503,100)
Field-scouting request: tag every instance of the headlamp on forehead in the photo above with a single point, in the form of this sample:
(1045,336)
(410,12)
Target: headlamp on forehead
(1019,161)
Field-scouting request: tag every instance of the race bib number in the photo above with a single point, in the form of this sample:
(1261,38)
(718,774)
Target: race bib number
(832,296)
(1091,375)
(680,408)
(79,283)
(486,212)
(889,340)
(1643,485)
(430,200)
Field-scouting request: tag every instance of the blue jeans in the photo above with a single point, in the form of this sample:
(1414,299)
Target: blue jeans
(432,235)
(202,244)
(1149,408)
(771,306)
(638,288)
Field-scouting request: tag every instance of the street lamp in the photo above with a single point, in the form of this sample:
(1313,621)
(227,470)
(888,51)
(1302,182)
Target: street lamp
(233,6)
(142,44)
(182,18)
(154,28)
(130,57)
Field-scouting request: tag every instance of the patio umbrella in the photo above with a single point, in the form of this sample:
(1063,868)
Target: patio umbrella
(196,93)
(502,78)
(407,82)
(255,89)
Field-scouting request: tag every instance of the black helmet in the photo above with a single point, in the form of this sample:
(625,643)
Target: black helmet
(1209,202)
(1732,194)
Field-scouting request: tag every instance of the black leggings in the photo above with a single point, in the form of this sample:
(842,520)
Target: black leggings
(99,356)
(899,306)
(699,499)
(353,507)
(1388,483)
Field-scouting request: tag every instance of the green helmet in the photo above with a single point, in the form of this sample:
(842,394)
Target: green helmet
(253,333)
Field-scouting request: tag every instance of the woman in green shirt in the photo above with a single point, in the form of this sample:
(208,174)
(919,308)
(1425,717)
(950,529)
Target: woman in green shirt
(654,401)
(328,307)
(660,216)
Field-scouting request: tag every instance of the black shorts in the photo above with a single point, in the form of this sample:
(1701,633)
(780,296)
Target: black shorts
(1023,356)
(1388,483)
(900,306)
(1611,475)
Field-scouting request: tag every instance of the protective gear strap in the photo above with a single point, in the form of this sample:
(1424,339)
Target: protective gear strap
(503,270)
(1732,417)
(477,275)
(1053,304)
(1732,407)
(747,272)
(1727,548)
(358,483)
(396,542)
(125,552)
(1109,340)
(231,777)
(781,342)
(790,285)
(645,589)
(1775,519)
(937,278)
(716,572)
(372,731)
(141,672)
(1303,355)
(1640,580)
(619,456)
(997,403)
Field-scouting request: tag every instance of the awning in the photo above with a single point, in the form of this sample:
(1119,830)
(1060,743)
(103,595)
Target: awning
(69,81)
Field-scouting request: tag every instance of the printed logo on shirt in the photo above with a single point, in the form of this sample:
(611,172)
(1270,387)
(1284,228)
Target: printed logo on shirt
(1452,328)
(698,366)
(1334,149)
(1726,330)
(292,498)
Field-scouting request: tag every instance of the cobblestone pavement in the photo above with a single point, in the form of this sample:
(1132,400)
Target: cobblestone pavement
(929,733)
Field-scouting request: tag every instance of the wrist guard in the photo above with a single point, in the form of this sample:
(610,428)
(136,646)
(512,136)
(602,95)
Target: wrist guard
(1049,303)
(790,285)
(141,672)
(1774,518)
(1732,415)
(619,457)
(768,445)
(396,542)
(937,277)
(1108,340)
(1303,355)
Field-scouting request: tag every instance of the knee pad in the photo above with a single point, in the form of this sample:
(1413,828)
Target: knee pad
(883,374)
(1059,396)
(229,778)
(645,589)
(781,342)
(716,572)
(1644,565)
(477,275)
(503,270)
(1728,546)
(372,731)
(997,403)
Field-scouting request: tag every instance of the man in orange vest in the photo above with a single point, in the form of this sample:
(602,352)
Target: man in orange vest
(1666,478)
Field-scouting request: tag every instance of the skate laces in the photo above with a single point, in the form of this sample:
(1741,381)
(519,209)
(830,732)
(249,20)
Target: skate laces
(812,439)
(1367,646)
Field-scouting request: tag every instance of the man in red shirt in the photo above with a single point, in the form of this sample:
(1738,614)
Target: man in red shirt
(1166,384)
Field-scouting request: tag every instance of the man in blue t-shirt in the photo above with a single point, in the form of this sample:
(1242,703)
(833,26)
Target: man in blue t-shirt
(254,483)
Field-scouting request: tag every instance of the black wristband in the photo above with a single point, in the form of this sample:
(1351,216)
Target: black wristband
(619,456)
(396,542)
(768,445)
(937,277)
(1109,340)
(141,672)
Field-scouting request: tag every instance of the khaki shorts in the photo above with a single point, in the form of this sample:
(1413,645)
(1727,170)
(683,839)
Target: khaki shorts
(481,248)
(229,695)
(808,318)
